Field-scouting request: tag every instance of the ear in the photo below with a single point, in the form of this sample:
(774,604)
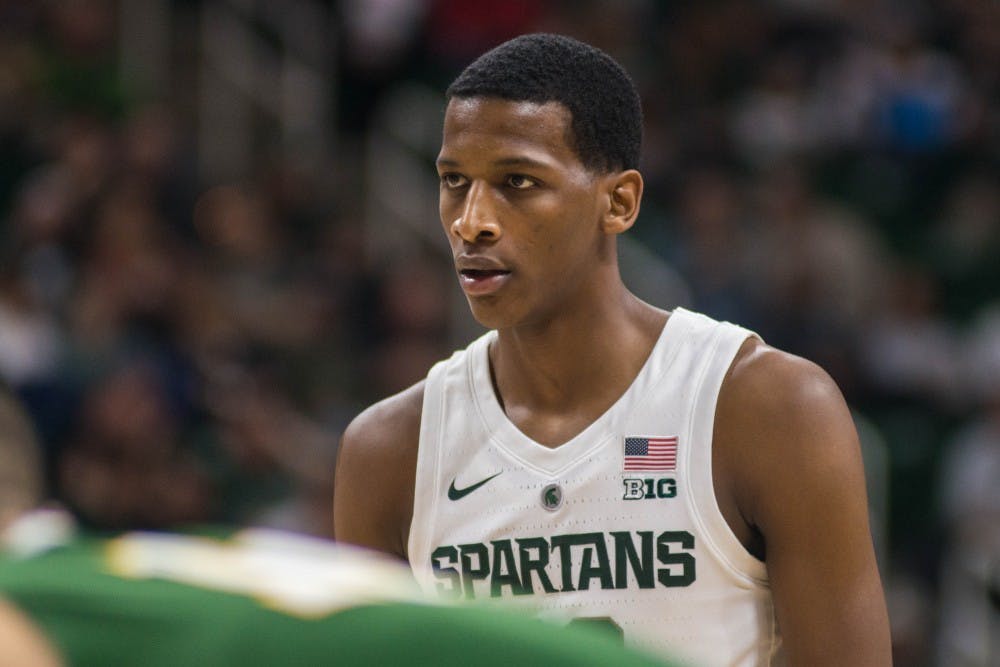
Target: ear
(624,196)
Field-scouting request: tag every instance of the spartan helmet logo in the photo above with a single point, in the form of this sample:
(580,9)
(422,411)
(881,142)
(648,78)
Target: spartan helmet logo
(552,497)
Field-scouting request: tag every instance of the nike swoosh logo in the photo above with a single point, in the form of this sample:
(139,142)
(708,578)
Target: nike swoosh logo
(458,494)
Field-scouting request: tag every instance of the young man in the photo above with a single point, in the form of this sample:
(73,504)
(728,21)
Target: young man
(258,598)
(601,458)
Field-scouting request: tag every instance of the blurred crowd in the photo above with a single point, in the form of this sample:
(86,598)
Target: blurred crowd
(823,171)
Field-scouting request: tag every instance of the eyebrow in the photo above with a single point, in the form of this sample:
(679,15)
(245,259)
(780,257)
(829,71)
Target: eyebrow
(518,161)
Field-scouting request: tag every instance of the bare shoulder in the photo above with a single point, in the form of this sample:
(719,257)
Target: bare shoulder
(376,465)
(765,378)
(385,425)
(782,420)
(774,393)
(790,471)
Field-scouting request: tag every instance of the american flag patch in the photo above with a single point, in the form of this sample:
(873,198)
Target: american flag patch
(651,453)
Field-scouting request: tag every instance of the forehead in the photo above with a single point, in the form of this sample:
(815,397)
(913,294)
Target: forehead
(484,127)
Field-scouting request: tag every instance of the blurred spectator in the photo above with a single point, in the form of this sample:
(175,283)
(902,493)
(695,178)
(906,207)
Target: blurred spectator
(78,66)
(711,245)
(775,121)
(125,465)
(458,31)
(919,93)
(270,464)
(911,349)
(29,337)
(964,244)
(413,324)
(970,571)
(817,270)
(250,257)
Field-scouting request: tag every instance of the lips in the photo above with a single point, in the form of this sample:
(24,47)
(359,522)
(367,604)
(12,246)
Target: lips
(480,275)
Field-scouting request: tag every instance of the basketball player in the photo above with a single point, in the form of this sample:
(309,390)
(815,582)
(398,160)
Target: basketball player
(257,598)
(593,455)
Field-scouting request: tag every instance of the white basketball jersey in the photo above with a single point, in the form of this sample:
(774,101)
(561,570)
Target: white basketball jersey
(619,524)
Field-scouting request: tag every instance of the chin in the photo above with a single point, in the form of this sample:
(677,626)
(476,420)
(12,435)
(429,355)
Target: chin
(490,315)
(489,319)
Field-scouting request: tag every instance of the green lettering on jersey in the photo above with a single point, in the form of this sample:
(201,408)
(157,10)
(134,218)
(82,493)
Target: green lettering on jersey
(589,569)
(536,565)
(563,544)
(600,570)
(457,569)
(505,570)
(669,576)
(627,558)
(472,574)
(447,556)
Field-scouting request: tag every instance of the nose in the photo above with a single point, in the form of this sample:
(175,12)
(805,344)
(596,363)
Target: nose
(478,221)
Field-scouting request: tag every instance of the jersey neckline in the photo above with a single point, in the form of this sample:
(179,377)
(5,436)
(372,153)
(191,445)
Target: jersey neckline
(554,460)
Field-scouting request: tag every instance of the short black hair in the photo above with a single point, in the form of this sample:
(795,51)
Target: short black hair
(599,94)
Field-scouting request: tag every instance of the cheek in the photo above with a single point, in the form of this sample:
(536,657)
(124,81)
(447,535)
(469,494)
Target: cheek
(568,228)
(447,214)
(444,213)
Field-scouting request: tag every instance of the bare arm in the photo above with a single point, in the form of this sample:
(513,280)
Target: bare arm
(790,458)
(376,466)
(21,642)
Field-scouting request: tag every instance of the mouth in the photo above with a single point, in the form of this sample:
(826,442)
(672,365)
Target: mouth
(480,282)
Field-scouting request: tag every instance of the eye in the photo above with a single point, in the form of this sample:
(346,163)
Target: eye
(521,182)
(453,181)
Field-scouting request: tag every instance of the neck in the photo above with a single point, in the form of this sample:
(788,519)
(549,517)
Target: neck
(586,357)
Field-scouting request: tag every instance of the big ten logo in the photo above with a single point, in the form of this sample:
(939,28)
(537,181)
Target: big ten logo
(648,489)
